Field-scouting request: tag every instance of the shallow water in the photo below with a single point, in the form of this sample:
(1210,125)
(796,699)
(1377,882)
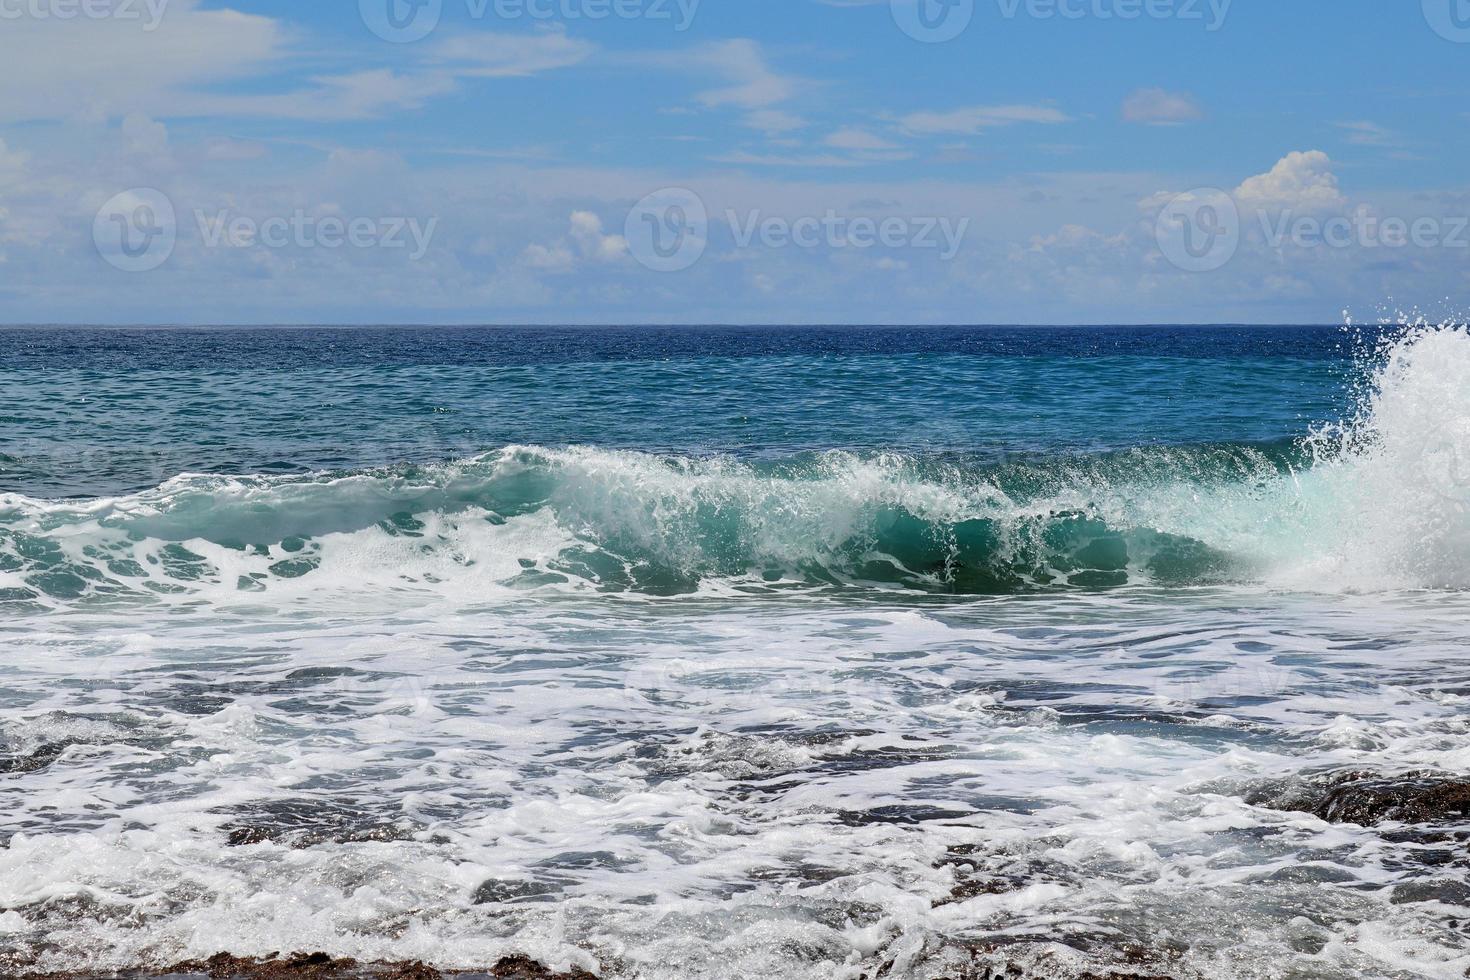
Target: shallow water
(894,654)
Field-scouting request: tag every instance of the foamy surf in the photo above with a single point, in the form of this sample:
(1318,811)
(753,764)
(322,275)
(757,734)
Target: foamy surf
(838,713)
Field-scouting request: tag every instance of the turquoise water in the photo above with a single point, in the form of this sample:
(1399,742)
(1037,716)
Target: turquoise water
(715,652)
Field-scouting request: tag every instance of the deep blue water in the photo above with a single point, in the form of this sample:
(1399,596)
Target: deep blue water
(104,411)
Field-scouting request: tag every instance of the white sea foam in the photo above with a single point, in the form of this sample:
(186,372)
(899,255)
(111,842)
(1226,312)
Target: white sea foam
(664,718)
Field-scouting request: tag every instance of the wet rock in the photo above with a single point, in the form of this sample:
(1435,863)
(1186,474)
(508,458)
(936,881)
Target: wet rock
(308,823)
(1447,890)
(319,966)
(296,966)
(1036,960)
(978,872)
(1368,798)
(1409,800)
(36,759)
(524,968)
(900,815)
(500,891)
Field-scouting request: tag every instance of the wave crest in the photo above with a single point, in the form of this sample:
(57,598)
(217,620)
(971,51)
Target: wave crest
(1380,501)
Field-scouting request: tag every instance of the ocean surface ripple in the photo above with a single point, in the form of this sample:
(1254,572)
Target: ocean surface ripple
(736,653)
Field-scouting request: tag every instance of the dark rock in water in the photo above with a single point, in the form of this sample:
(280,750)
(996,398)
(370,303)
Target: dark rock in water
(321,966)
(1033,960)
(979,873)
(37,759)
(1416,800)
(310,822)
(499,891)
(901,815)
(1368,799)
(292,966)
(524,968)
(1450,891)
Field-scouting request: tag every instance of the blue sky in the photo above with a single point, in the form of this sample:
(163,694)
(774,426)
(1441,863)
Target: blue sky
(519,161)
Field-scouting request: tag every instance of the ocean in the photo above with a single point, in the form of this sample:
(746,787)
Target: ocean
(708,652)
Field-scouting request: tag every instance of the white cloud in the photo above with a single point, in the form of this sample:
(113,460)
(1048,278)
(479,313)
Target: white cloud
(774,121)
(550,258)
(99,69)
(1364,133)
(974,119)
(109,67)
(1301,180)
(587,233)
(12,165)
(858,139)
(490,55)
(144,137)
(751,82)
(746,158)
(587,242)
(1157,107)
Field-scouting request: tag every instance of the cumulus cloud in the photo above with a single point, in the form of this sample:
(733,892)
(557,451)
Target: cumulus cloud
(1158,107)
(1301,181)
(585,241)
(587,233)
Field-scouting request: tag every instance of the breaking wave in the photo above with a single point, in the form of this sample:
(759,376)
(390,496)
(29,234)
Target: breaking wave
(1379,501)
